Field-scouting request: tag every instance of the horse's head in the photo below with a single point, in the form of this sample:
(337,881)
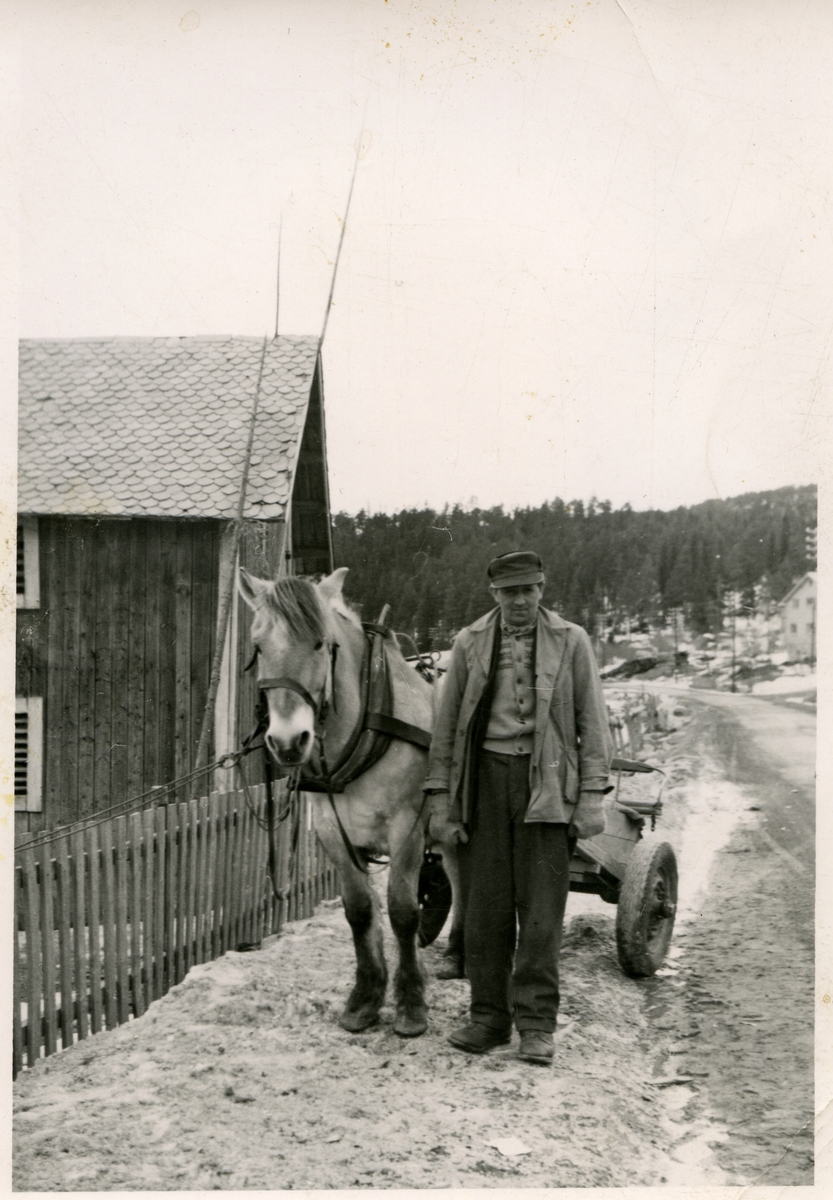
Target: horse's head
(294,639)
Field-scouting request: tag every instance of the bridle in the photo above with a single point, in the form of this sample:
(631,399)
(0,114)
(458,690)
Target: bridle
(372,720)
(321,706)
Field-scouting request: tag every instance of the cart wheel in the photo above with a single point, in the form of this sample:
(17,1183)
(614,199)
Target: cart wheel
(434,894)
(647,904)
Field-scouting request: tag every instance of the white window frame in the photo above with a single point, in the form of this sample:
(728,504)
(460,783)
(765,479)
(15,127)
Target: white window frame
(32,801)
(31,565)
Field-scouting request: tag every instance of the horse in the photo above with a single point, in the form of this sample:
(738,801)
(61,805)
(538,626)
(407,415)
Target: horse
(310,647)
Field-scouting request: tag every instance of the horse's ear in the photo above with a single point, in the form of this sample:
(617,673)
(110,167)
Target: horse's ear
(250,587)
(331,587)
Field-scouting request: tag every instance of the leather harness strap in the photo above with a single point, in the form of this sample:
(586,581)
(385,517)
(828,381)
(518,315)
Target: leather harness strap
(393,727)
(290,685)
(352,853)
(367,743)
(376,725)
(375,627)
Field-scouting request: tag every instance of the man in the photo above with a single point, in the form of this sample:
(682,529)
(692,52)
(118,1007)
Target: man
(517,771)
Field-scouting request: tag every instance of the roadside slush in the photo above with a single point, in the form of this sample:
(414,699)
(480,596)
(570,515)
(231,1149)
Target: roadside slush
(743,968)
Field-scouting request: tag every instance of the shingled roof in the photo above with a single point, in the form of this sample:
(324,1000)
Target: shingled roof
(159,426)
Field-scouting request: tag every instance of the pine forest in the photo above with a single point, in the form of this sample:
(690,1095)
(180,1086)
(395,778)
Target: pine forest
(607,569)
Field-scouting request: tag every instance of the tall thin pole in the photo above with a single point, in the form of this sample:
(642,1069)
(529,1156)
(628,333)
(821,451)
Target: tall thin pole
(278,289)
(228,591)
(340,244)
(734,619)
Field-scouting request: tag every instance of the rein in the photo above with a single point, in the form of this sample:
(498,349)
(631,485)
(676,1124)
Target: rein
(345,837)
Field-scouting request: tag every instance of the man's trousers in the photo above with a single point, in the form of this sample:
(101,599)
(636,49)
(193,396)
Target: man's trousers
(516,877)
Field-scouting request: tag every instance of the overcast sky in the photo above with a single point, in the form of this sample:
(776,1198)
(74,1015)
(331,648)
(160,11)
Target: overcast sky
(589,250)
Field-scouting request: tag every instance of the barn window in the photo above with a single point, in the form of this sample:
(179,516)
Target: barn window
(28,564)
(793,629)
(28,753)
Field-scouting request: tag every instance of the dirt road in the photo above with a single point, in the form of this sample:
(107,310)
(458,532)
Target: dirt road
(240,1078)
(745,969)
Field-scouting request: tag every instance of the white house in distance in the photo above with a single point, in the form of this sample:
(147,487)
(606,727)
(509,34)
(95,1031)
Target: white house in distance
(798,618)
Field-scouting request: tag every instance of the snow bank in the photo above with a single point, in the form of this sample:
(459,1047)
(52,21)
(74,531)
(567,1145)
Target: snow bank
(784,684)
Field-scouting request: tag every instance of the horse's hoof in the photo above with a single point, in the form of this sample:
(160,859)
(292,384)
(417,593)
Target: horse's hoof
(411,1024)
(452,968)
(355,1022)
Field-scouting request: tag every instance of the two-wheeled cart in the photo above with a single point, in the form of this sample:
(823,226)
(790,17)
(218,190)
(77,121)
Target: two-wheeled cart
(637,874)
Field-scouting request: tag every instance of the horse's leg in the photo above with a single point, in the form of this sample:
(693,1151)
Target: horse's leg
(403,910)
(454,966)
(363,911)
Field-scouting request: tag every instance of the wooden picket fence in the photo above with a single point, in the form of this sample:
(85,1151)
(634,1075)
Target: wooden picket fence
(110,915)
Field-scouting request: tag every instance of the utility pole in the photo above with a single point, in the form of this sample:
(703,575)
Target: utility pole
(813,634)
(734,618)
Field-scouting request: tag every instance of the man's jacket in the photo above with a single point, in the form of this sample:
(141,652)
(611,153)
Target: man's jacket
(572,746)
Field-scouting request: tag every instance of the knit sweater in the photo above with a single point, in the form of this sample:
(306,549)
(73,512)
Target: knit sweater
(511,725)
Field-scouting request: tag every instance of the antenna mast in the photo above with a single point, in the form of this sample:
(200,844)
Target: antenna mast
(277,293)
(340,242)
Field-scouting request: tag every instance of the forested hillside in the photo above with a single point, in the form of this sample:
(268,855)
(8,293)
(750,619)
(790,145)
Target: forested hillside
(600,562)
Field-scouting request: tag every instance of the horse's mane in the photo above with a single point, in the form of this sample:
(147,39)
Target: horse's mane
(297,601)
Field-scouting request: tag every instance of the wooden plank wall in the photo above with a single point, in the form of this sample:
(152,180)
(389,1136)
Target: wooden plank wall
(120,650)
(109,916)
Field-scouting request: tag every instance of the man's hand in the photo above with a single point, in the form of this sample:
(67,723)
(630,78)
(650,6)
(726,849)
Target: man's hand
(588,816)
(440,828)
(446,832)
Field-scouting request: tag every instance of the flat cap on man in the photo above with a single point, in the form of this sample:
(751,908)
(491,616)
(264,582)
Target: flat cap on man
(516,569)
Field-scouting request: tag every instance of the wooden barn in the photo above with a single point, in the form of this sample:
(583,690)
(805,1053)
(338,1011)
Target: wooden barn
(131,457)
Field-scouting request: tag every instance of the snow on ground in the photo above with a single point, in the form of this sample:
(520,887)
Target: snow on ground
(784,684)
